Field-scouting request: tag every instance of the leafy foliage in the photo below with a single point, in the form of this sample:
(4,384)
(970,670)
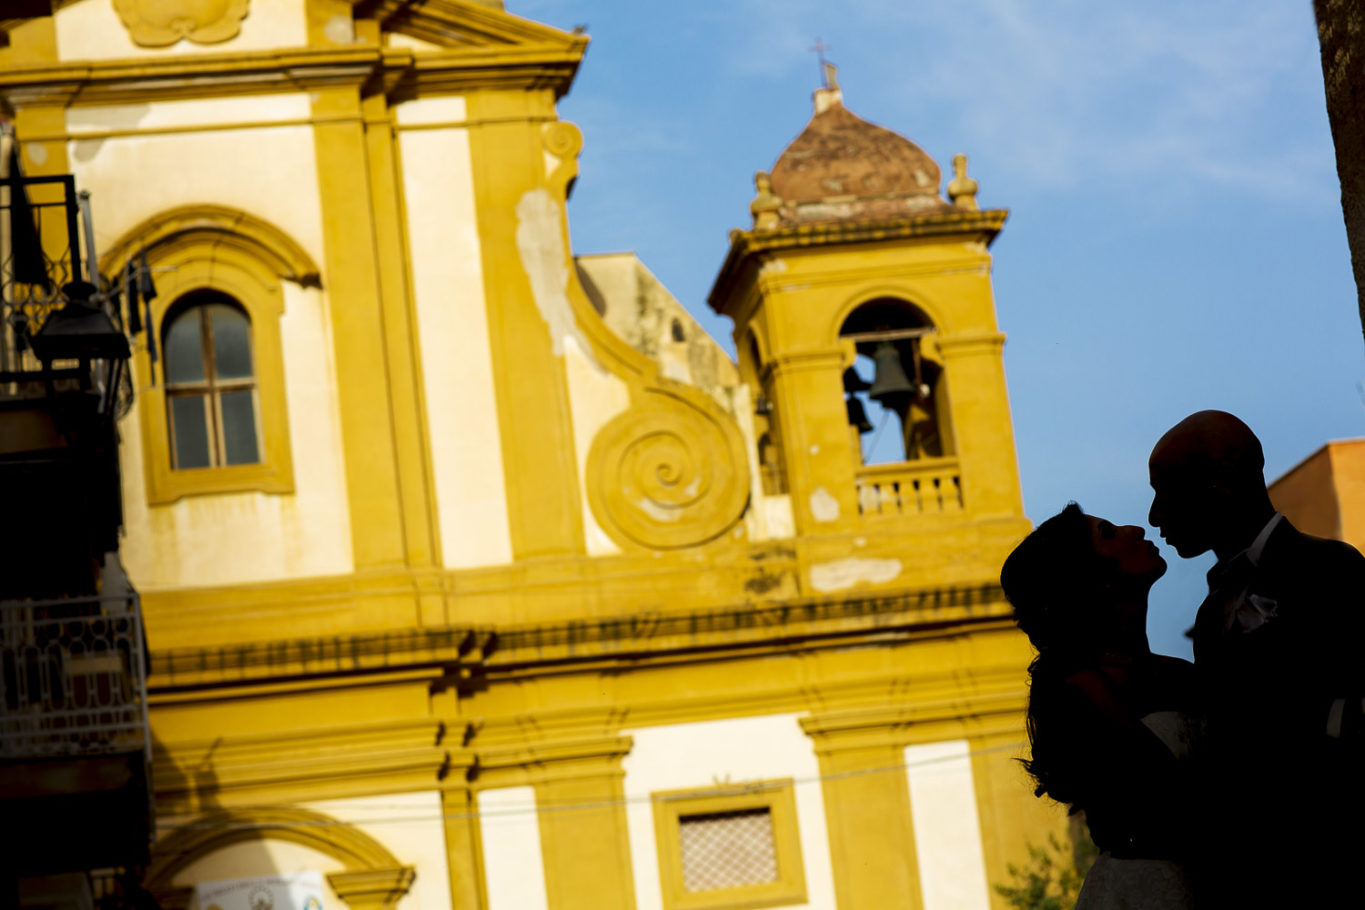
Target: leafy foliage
(1051,879)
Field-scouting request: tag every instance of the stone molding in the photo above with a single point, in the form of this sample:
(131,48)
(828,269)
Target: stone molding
(374,877)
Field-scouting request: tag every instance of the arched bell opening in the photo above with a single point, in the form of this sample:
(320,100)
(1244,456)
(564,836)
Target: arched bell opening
(896,390)
(772,470)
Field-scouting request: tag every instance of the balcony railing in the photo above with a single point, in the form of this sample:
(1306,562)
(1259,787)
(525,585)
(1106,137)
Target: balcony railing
(39,253)
(924,487)
(73,678)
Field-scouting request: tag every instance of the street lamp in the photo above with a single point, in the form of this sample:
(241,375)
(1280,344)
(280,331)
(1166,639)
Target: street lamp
(83,332)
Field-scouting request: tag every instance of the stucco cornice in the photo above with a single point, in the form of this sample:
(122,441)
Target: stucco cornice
(459,23)
(746,245)
(511,66)
(179,77)
(523,66)
(466,656)
(324,761)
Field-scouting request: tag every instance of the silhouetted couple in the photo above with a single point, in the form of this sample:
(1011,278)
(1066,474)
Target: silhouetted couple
(1232,782)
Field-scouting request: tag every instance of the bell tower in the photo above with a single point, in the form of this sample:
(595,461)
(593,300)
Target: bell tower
(863,309)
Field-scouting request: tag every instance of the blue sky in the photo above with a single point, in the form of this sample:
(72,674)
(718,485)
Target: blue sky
(1175,239)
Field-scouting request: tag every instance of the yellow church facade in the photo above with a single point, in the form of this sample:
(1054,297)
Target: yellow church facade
(474,574)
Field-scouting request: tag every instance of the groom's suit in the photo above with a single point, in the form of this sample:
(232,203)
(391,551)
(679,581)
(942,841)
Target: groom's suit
(1279,648)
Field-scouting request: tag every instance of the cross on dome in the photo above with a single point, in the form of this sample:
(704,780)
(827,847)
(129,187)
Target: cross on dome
(843,168)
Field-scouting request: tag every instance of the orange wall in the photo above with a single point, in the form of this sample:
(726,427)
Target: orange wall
(1307,496)
(1324,494)
(1348,472)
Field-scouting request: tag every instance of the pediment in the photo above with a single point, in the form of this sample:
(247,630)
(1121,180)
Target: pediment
(446,24)
(447,46)
(462,24)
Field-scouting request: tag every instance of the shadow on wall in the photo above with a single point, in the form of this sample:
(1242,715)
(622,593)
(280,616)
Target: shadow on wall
(188,804)
(219,846)
(595,297)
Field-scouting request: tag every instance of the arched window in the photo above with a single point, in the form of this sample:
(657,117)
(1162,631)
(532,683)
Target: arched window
(895,374)
(211,405)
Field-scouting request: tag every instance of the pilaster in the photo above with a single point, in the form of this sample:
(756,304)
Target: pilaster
(416,489)
(867,812)
(526,269)
(580,798)
(815,439)
(1012,818)
(464,848)
(352,283)
(38,126)
(984,434)
(584,837)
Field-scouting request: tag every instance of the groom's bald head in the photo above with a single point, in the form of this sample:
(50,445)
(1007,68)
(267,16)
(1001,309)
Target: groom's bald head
(1207,473)
(1214,443)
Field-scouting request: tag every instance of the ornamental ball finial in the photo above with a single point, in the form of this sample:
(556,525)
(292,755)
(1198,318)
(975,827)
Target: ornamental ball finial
(766,204)
(962,189)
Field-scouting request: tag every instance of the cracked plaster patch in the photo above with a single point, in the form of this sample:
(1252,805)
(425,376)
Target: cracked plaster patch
(824,506)
(845,573)
(540,242)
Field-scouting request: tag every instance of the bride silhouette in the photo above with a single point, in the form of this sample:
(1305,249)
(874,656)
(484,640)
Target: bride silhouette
(1110,724)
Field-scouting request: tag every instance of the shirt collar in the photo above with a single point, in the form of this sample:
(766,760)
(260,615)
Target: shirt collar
(1250,557)
(1257,545)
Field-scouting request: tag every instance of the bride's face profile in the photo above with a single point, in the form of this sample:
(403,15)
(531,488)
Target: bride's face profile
(1078,582)
(1127,549)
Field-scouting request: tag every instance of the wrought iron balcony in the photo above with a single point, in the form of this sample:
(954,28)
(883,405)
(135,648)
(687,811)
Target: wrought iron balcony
(73,678)
(64,383)
(39,254)
(74,741)
(41,275)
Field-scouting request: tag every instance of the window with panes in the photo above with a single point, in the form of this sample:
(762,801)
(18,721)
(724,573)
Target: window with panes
(211,403)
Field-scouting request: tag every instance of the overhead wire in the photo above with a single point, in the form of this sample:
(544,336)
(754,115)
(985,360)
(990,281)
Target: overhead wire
(536,808)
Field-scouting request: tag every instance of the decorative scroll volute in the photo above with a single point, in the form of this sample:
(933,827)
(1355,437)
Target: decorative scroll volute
(158,23)
(670,472)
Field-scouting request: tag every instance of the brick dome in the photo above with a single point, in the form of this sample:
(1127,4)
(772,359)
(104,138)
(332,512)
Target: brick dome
(843,168)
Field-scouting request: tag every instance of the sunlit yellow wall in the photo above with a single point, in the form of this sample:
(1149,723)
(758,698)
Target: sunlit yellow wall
(471,447)
(438,196)
(270,172)
(93,31)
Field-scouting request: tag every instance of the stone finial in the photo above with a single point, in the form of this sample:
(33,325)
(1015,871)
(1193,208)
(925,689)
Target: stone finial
(765,205)
(962,189)
(828,94)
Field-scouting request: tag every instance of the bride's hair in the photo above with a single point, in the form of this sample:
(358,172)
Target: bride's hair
(1056,583)
(1052,580)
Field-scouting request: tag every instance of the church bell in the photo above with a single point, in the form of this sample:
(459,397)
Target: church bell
(890,380)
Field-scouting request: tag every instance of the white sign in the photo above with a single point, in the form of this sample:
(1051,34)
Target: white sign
(290,891)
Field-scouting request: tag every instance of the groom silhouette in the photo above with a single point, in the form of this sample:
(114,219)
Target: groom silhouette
(1278,650)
